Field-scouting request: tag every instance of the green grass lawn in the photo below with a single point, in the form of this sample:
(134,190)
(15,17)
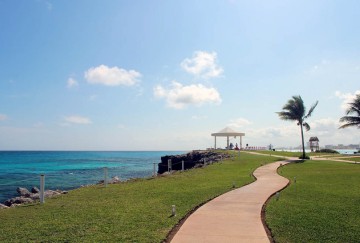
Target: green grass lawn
(279,153)
(137,211)
(322,206)
(295,154)
(355,159)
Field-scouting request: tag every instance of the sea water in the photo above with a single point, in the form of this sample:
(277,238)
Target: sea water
(66,170)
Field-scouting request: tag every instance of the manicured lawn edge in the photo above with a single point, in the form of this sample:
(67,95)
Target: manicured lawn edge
(321,208)
(176,228)
(263,208)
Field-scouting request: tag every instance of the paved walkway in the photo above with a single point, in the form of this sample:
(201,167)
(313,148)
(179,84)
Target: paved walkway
(236,215)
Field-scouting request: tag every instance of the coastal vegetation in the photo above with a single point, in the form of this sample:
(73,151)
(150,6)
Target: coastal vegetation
(330,151)
(353,120)
(320,206)
(134,211)
(293,154)
(294,110)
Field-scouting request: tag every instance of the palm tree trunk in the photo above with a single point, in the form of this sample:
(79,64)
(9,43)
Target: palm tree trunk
(302,140)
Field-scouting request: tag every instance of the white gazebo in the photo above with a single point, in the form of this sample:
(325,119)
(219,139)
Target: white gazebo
(228,132)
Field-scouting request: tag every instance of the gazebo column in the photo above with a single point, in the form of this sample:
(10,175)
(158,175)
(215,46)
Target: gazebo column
(227,142)
(240,142)
(215,143)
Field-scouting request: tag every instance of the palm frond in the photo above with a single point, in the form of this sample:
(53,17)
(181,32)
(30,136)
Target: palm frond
(307,127)
(286,115)
(353,108)
(311,109)
(350,125)
(293,110)
(350,121)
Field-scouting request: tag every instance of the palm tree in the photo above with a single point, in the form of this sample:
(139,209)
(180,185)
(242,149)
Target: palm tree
(294,110)
(354,107)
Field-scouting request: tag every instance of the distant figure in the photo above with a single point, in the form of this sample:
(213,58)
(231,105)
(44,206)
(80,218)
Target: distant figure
(236,147)
(231,146)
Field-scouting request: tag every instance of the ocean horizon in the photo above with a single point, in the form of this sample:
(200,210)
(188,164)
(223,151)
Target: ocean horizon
(66,170)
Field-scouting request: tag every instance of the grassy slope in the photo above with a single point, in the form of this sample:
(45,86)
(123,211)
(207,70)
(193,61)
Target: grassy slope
(355,159)
(134,211)
(324,206)
(294,154)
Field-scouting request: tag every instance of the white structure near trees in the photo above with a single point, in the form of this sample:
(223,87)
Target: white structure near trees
(228,132)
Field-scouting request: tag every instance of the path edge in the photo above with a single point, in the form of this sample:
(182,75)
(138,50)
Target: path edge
(263,208)
(176,228)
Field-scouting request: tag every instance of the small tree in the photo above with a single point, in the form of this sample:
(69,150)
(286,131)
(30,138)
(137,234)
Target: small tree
(294,110)
(354,108)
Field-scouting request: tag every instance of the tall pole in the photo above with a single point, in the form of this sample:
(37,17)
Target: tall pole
(42,189)
(302,139)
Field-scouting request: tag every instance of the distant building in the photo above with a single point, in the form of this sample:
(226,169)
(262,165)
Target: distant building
(314,144)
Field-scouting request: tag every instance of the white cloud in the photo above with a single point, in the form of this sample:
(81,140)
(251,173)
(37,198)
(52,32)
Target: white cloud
(72,83)
(346,97)
(202,64)
(3,117)
(112,76)
(179,96)
(77,120)
(239,122)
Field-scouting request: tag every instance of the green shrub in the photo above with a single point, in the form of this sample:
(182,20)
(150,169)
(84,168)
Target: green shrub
(331,151)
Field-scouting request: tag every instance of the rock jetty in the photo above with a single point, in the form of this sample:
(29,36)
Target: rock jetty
(26,196)
(194,159)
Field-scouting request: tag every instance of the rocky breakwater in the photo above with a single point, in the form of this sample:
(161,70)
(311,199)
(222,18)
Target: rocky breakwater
(26,196)
(194,159)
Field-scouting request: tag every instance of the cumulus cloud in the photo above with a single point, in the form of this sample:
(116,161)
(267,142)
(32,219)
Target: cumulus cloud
(72,83)
(202,64)
(239,122)
(346,98)
(77,120)
(3,117)
(112,76)
(179,96)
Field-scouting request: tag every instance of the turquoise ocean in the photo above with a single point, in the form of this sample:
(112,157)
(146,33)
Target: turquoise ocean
(67,170)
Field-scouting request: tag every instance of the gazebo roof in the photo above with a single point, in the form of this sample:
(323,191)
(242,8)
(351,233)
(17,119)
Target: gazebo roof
(227,131)
(314,139)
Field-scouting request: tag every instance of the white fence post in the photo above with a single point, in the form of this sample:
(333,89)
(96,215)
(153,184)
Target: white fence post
(42,188)
(105,176)
(169,165)
(182,165)
(173,211)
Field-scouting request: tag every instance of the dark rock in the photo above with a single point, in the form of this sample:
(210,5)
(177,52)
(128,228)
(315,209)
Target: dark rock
(194,159)
(35,190)
(35,196)
(18,200)
(23,191)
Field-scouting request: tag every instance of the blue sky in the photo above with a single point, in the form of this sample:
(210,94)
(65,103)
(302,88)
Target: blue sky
(164,75)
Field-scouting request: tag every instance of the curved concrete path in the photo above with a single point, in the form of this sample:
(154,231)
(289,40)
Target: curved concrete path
(236,215)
